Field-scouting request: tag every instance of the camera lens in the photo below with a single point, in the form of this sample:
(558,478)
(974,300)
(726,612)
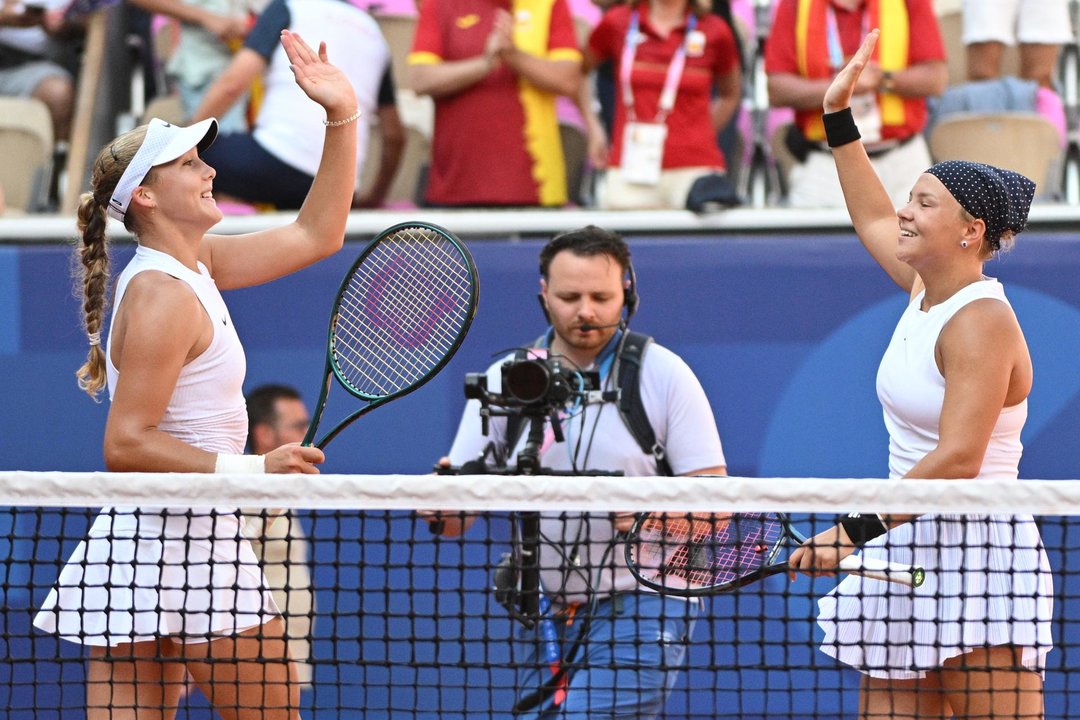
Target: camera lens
(527,380)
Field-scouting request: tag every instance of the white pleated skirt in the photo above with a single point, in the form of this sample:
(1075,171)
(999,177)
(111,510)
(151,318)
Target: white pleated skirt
(988,583)
(123,587)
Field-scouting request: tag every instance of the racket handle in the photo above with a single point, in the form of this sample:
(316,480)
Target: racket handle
(910,575)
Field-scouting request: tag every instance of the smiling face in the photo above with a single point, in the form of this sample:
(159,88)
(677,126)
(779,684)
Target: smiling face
(182,190)
(932,224)
(580,290)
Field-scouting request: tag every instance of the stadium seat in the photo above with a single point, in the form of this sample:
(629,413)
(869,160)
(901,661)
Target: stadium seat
(26,145)
(1025,142)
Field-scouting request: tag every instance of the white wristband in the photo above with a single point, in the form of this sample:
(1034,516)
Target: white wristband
(240,464)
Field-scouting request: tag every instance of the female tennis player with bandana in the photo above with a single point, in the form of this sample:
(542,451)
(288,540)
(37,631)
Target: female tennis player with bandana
(953,385)
(160,594)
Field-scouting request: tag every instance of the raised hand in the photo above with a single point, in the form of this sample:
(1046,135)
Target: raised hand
(838,96)
(318,78)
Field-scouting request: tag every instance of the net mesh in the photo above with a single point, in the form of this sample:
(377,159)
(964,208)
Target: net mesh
(387,620)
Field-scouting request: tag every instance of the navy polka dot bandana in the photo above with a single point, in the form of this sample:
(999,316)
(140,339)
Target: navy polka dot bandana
(1001,198)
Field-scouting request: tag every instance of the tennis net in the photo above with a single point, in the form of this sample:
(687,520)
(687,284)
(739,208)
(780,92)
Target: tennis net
(392,621)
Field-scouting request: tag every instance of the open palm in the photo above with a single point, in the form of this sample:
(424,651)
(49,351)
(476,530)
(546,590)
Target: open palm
(838,96)
(317,77)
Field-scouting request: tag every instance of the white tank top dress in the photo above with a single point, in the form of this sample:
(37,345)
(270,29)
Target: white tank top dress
(988,579)
(189,574)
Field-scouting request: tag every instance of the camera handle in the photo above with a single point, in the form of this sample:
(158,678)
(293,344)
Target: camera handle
(528,463)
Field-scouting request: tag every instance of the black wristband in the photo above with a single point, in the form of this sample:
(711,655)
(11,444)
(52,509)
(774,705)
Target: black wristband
(861,528)
(840,128)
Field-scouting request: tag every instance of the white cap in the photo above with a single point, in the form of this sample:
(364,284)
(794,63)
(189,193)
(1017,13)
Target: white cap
(164,142)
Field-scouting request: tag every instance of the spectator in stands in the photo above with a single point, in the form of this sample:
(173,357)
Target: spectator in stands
(275,163)
(209,32)
(1041,27)
(38,59)
(494,78)
(277,416)
(810,42)
(677,77)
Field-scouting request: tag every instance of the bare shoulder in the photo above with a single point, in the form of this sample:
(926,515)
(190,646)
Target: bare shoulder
(159,303)
(984,327)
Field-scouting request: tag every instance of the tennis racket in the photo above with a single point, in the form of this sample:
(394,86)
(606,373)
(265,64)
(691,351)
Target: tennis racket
(401,313)
(702,554)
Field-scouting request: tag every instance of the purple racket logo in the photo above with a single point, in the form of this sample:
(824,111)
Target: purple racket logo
(390,304)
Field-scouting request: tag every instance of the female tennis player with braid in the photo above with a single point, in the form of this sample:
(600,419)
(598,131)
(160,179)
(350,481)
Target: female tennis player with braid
(155,593)
(953,384)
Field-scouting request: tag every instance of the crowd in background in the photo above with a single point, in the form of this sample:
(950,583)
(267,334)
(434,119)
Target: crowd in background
(550,103)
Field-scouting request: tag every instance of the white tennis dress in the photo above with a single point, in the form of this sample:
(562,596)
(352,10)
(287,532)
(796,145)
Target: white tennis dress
(988,580)
(145,573)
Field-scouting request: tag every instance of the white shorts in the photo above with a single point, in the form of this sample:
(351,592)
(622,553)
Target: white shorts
(1037,22)
(614,193)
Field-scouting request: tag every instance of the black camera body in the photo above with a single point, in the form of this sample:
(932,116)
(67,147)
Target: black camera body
(535,385)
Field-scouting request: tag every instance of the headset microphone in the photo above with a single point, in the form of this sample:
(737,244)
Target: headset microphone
(587,327)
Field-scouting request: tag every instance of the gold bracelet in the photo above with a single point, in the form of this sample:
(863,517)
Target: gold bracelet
(338,123)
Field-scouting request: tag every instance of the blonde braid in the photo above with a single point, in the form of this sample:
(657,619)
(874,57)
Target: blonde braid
(93,251)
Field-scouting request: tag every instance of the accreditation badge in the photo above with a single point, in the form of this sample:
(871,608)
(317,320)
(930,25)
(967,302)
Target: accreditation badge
(643,152)
(695,44)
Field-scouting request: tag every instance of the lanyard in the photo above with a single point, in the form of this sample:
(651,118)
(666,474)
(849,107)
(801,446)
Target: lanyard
(674,71)
(603,361)
(832,30)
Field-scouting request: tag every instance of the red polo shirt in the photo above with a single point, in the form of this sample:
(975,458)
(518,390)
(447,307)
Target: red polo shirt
(691,138)
(497,142)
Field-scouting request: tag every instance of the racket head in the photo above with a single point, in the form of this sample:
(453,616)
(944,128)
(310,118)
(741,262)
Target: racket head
(402,311)
(701,553)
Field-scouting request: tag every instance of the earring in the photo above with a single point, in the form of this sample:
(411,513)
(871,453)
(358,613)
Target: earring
(963,243)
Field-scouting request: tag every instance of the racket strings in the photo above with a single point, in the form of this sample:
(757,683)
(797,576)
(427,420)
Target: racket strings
(406,305)
(689,551)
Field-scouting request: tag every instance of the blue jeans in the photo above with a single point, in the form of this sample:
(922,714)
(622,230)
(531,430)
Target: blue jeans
(636,646)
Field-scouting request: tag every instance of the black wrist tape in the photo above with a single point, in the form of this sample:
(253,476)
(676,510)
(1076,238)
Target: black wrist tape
(862,528)
(840,128)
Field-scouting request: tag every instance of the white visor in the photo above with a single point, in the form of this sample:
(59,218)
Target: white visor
(164,142)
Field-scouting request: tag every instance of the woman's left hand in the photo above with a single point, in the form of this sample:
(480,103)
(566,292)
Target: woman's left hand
(318,78)
(838,96)
(821,554)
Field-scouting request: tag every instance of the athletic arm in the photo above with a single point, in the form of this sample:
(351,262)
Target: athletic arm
(319,228)
(868,203)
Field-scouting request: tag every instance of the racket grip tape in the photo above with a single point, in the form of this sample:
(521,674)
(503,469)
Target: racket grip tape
(910,575)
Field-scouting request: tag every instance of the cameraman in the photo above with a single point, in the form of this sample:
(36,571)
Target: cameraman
(637,640)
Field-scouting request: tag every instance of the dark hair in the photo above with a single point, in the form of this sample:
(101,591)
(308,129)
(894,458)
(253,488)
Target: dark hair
(261,404)
(586,242)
